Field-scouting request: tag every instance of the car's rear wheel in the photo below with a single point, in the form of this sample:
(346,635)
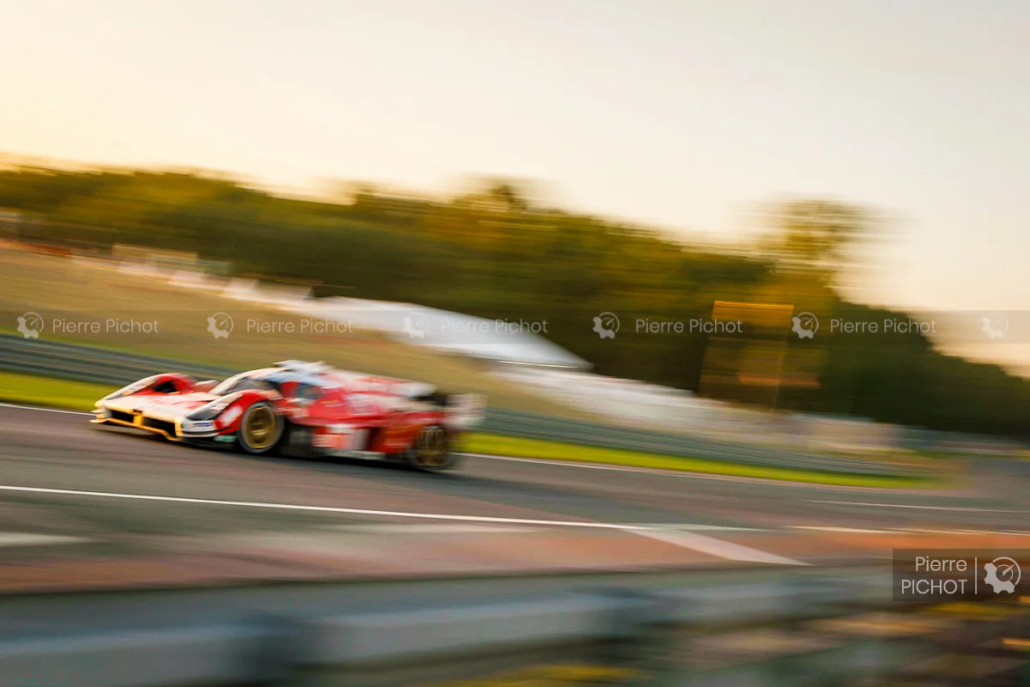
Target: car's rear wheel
(261,428)
(431,450)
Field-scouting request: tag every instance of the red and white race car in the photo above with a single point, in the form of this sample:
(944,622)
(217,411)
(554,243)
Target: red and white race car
(301,408)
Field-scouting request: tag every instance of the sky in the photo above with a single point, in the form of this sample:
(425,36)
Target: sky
(678,113)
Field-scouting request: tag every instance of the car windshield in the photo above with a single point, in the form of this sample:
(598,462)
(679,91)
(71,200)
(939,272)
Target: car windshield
(242,382)
(308,392)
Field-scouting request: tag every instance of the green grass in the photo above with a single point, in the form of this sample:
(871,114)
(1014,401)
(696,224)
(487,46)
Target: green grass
(493,444)
(59,393)
(51,393)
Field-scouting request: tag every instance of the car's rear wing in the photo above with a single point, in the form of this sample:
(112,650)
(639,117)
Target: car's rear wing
(461,411)
(465,411)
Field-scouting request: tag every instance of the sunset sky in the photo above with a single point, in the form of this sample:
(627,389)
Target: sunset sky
(677,113)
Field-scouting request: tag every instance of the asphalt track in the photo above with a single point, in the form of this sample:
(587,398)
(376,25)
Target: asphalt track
(88,507)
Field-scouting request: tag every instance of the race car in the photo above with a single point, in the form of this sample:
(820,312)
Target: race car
(301,408)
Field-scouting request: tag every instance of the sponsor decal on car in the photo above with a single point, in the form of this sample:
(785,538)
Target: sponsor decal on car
(340,438)
(323,440)
(230,416)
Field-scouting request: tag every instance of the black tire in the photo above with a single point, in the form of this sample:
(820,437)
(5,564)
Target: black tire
(432,450)
(261,429)
(296,442)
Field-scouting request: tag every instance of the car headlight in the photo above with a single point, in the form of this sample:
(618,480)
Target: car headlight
(212,409)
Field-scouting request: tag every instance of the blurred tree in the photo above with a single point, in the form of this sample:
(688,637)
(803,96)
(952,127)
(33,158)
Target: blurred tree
(814,236)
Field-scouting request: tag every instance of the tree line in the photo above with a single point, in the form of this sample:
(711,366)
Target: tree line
(496,251)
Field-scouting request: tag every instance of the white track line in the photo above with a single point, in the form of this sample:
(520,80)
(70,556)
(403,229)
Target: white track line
(904,505)
(505,529)
(30,539)
(690,540)
(840,530)
(45,410)
(326,509)
(688,527)
(716,547)
(430,529)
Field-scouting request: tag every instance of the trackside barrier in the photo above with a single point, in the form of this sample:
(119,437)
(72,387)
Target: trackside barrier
(116,368)
(757,633)
(516,423)
(90,363)
(135,658)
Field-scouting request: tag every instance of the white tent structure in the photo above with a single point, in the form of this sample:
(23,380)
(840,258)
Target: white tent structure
(445,331)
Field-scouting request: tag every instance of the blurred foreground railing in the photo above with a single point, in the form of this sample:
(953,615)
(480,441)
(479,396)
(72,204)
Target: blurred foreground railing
(789,630)
(106,366)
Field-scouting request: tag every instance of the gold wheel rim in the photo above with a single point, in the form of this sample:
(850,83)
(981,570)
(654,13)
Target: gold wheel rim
(431,447)
(260,429)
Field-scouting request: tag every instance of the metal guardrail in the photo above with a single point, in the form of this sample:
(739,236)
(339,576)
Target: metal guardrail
(106,366)
(515,423)
(90,363)
(751,633)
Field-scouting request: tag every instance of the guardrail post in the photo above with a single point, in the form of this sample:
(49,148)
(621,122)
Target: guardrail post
(275,658)
(633,639)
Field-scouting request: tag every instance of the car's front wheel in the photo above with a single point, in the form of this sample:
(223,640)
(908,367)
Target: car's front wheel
(432,450)
(261,428)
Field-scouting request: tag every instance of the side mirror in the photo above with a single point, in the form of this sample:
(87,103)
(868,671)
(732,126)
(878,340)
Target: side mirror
(206,385)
